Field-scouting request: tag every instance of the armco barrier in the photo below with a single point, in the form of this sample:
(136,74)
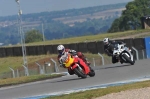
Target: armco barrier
(91,47)
(82,47)
(9,51)
(17,51)
(2,52)
(66,46)
(139,43)
(129,42)
(40,50)
(100,47)
(73,46)
(49,49)
(55,49)
(31,50)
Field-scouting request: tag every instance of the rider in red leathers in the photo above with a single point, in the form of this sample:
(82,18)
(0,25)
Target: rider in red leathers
(61,50)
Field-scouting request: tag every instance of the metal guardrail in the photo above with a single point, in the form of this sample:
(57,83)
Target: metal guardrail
(13,72)
(26,70)
(54,68)
(137,53)
(103,62)
(55,64)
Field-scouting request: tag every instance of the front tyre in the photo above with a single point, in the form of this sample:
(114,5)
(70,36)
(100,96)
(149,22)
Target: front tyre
(80,73)
(128,59)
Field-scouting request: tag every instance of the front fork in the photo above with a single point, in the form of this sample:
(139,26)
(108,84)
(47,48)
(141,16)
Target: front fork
(128,53)
(85,69)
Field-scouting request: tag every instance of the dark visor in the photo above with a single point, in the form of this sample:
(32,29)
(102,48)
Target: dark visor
(60,51)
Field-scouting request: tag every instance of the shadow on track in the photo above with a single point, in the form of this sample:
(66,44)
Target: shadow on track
(115,66)
(66,80)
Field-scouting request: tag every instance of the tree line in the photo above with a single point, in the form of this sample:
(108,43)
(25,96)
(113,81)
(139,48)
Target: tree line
(131,17)
(57,29)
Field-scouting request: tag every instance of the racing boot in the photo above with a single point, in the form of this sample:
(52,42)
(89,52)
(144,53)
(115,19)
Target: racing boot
(121,61)
(88,63)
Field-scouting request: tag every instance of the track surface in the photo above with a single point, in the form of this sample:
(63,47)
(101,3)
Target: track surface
(104,74)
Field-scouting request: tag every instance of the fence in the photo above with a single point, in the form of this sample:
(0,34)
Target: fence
(52,66)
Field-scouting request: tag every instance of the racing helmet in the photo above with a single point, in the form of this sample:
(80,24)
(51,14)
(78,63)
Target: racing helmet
(106,41)
(61,49)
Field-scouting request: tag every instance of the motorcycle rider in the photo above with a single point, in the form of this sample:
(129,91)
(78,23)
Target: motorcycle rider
(61,50)
(109,45)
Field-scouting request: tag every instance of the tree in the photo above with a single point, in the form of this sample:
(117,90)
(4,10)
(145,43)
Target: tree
(33,36)
(131,16)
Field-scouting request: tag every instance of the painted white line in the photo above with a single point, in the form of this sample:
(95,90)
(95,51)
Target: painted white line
(89,88)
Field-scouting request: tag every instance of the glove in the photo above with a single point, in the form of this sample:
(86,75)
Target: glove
(73,52)
(62,65)
(108,53)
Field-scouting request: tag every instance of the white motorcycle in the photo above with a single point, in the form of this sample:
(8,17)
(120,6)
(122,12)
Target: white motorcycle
(123,53)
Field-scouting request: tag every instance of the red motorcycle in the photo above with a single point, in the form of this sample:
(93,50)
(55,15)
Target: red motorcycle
(76,65)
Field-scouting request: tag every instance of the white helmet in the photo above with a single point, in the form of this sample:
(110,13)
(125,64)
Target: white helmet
(106,40)
(60,49)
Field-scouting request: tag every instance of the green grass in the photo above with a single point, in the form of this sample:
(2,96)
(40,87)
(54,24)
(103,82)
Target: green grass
(16,62)
(89,38)
(91,94)
(142,36)
(26,79)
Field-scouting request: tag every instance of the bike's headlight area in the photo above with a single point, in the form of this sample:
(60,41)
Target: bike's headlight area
(117,53)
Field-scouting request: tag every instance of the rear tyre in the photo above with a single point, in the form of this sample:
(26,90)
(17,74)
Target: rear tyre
(79,73)
(71,72)
(92,72)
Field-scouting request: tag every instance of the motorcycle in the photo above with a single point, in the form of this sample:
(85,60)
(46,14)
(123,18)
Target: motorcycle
(76,65)
(123,53)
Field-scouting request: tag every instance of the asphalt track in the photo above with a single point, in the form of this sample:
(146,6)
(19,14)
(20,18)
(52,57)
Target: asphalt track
(104,75)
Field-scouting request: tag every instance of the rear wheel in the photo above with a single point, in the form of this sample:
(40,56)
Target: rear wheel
(128,59)
(80,73)
(92,72)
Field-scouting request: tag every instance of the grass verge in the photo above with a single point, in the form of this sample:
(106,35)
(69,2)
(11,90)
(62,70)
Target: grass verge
(7,62)
(88,38)
(91,94)
(26,79)
(16,62)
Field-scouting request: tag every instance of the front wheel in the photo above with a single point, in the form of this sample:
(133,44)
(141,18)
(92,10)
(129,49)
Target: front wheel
(128,59)
(80,73)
